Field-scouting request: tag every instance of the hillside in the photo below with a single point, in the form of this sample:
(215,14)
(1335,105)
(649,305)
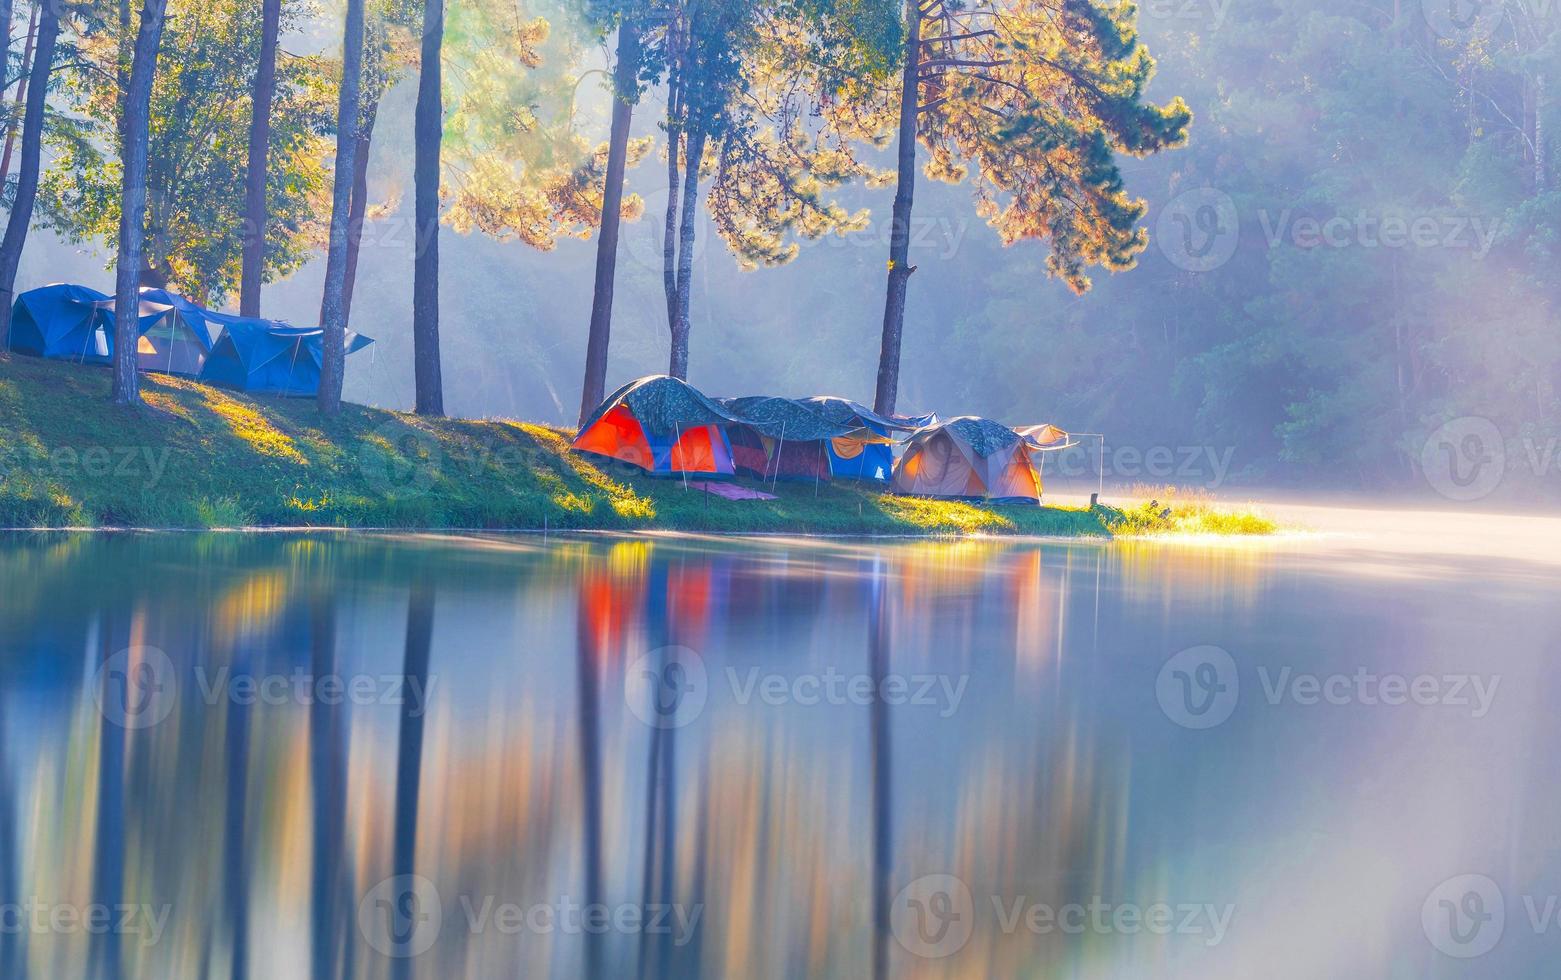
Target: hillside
(200,457)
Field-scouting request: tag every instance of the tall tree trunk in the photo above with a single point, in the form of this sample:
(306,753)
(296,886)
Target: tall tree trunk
(880,631)
(1541,156)
(108,861)
(27,180)
(254,259)
(360,205)
(7,12)
(625,79)
(21,88)
(669,228)
(900,237)
(328,781)
(409,751)
(588,712)
(235,850)
(678,363)
(428,139)
(13,952)
(332,312)
(132,207)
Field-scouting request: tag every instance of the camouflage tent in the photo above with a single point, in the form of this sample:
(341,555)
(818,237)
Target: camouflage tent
(784,418)
(968,458)
(662,425)
(663,405)
(810,439)
(847,412)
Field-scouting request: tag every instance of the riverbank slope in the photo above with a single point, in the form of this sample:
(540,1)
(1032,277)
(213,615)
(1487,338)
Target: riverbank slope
(196,456)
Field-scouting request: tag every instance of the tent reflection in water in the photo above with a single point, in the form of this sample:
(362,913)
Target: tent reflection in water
(969,458)
(664,426)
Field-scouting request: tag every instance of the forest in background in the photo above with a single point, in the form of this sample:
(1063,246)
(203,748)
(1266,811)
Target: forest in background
(1357,245)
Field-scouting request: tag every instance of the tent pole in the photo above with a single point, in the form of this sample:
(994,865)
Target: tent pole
(780,447)
(677,432)
(1100,470)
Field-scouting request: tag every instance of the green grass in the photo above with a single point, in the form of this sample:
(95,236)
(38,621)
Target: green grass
(195,456)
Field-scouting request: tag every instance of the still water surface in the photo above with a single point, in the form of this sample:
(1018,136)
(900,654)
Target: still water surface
(374,756)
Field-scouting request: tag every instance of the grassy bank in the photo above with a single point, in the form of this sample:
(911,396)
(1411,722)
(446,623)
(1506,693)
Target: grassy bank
(196,456)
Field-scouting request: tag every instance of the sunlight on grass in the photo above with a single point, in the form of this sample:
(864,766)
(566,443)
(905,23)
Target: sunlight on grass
(945,515)
(253,428)
(228,459)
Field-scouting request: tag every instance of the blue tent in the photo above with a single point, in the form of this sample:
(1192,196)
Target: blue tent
(870,459)
(63,321)
(176,334)
(270,357)
(75,323)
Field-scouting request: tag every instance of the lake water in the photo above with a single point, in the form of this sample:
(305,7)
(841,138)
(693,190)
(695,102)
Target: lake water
(378,756)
